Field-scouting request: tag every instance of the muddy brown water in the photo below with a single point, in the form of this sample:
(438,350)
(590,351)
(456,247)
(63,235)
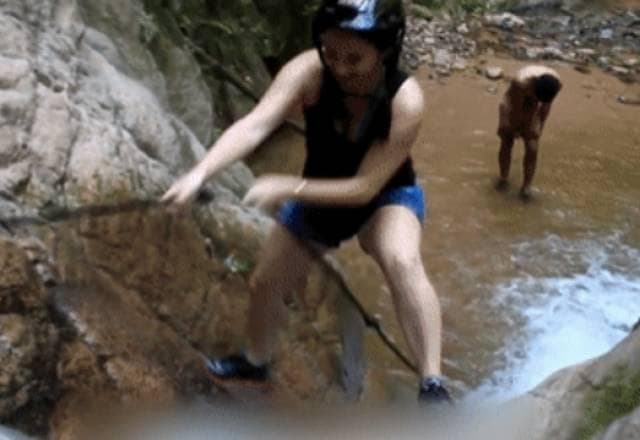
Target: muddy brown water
(587,186)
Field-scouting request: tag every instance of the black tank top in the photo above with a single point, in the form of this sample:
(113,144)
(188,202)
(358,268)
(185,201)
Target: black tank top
(330,153)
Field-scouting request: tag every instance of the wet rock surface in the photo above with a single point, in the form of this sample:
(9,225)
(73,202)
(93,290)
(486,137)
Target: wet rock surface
(581,401)
(105,298)
(627,427)
(132,304)
(29,341)
(440,43)
(605,39)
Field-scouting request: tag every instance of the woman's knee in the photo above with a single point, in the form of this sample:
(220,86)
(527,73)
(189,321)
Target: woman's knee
(399,260)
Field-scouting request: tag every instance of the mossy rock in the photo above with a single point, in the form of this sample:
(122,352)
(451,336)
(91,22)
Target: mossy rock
(612,400)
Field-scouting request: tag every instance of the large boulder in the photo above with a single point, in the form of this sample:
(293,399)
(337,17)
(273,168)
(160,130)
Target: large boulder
(147,45)
(625,428)
(585,400)
(104,297)
(76,128)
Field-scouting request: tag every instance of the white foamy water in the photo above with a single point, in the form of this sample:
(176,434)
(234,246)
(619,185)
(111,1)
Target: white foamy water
(565,318)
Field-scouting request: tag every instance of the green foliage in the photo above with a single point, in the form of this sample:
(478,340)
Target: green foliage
(432,4)
(470,6)
(289,25)
(275,29)
(619,396)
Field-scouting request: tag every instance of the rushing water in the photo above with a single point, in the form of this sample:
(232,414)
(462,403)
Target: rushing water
(565,319)
(526,288)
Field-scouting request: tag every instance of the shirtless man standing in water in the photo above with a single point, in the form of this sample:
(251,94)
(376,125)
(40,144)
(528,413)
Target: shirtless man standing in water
(523,112)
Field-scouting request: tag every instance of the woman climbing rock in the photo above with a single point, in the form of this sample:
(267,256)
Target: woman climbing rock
(362,117)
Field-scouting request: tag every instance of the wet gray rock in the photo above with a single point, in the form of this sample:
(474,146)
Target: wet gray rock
(459,63)
(627,428)
(543,31)
(75,124)
(564,31)
(606,34)
(552,52)
(494,73)
(129,37)
(442,58)
(630,100)
(562,20)
(586,52)
(620,70)
(28,342)
(558,404)
(505,20)
(631,62)
(440,43)
(534,52)
(604,61)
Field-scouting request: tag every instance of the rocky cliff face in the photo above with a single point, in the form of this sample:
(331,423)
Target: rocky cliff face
(104,297)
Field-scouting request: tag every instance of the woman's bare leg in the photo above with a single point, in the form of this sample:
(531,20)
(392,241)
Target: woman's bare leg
(283,267)
(392,236)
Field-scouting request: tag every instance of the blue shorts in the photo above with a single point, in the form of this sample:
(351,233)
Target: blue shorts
(330,226)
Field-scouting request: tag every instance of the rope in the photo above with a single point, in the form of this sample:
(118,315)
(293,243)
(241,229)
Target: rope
(64,214)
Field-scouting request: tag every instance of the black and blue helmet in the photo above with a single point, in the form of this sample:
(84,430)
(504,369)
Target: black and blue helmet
(381,22)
